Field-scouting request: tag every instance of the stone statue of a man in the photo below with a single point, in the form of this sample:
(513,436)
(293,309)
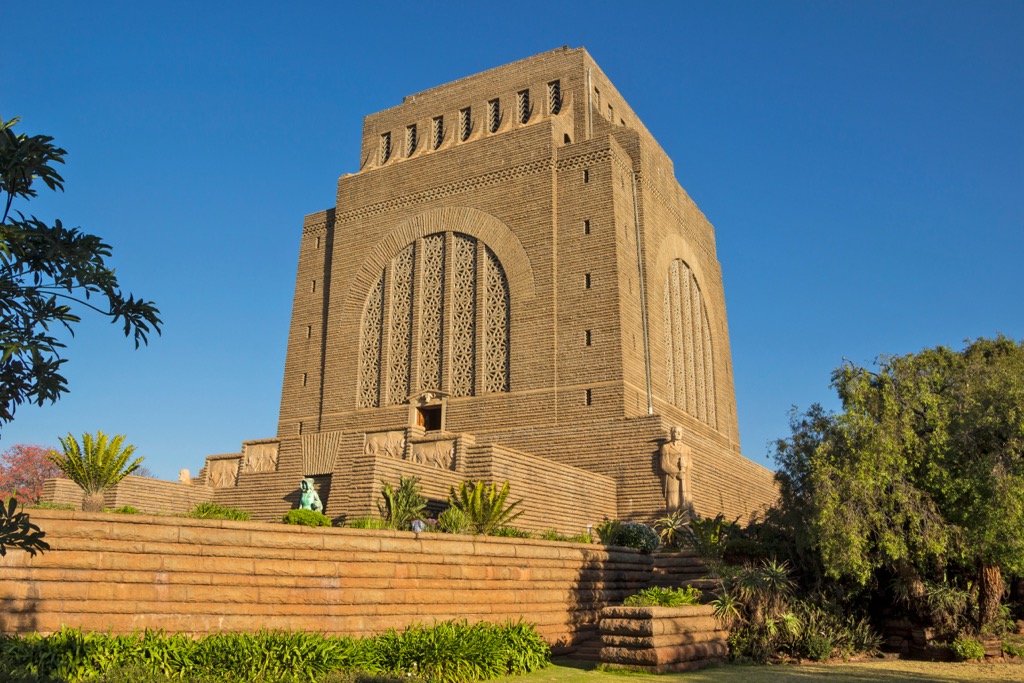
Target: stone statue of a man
(676,463)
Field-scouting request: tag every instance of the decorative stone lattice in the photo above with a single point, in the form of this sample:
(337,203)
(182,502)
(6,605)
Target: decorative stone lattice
(464,317)
(369,353)
(689,350)
(400,337)
(432,311)
(448,356)
(496,310)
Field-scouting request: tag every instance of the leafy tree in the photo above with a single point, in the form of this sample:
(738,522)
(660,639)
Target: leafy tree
(23,468)
(44,270)
(97,465)
(484,505)
(16,531)
(920,476)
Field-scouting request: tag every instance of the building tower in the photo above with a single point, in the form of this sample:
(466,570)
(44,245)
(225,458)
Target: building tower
(514,287)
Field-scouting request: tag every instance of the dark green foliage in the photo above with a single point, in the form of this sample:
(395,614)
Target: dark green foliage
(511,532)
(484,505)
(446,652)
(1013,649)
(44,271)
(401,506)
(554,535)
(306,518)
(664,597)
(966,648)
(16,531)
(709,537)
(216,511)
(127,510)
(673,530)
(628,535)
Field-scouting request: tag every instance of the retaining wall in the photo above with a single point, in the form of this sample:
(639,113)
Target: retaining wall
(121,573)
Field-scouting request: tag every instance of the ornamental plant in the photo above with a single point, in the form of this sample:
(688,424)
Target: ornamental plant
(23,469)
(400,506)
(657,596)
(98,464)
(306,518)
(485,506)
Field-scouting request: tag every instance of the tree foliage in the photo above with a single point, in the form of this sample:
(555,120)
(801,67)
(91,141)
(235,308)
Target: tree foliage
(45,270)
(96,465)
(921,475)
(23,468)
(16,531)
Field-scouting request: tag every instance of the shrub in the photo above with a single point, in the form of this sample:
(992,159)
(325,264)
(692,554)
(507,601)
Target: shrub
(485,507)
(216,511)
(306,518)
(967,648)
(17,531)
(453,521)
(664,597)
(1013,649)
(368,522)
(628,535)
(48,505)
(400,506)
(673,530)
(127,510)
(447,652)
(709,537)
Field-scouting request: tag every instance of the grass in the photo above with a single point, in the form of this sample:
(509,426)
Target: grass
(870,671)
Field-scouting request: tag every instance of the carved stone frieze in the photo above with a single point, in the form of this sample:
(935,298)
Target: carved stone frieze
(391,444)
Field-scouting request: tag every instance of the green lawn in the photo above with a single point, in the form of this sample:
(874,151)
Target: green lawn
(569,671)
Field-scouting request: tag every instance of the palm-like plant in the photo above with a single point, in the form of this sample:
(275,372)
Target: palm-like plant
(97,465)
(484,506)
(401,506)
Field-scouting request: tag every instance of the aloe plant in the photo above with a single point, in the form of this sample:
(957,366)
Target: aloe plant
(96,466)
(484,506)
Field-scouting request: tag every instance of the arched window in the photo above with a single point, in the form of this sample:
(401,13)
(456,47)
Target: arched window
(455,287)
(689,352)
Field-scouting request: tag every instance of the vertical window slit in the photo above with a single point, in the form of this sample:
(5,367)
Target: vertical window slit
(523,105)
(554,97)
(410,140)
(493,115)
(438,131)
(465,123)
(385,147)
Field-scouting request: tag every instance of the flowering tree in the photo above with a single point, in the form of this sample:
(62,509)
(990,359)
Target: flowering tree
(23,468)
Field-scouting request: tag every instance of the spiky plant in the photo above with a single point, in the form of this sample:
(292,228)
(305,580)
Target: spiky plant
(400,506)
(97,465)
(484,506)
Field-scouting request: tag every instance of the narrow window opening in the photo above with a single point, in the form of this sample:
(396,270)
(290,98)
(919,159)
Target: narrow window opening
(523,102)
(385,147)
(555,97)
(567,139)
(410,140)
(465,123)
(312,287)
(493,115)
(438,131)
(597,99)
(590,397)
(586,281)
(317,243)
(611,113)
(309,331)
(429,417)
(304,379)
(586,227)
(622,122)
(586,335)
(300,424)
(586,175)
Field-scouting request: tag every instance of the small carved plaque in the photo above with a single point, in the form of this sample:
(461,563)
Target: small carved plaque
(440,454)
(260,457)
(224,473)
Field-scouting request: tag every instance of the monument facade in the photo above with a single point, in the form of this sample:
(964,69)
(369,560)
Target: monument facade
(513,286)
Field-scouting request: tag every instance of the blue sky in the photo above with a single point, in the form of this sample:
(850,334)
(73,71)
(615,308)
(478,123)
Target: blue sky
(862,163)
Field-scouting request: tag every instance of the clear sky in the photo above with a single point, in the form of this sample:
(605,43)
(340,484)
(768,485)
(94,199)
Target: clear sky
(862,163)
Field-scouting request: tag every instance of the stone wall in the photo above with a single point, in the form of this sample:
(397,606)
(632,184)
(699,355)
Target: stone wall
(662,639)
(120,573)
(142,493)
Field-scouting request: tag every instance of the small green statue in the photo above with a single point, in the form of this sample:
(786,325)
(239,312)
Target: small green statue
(310,500)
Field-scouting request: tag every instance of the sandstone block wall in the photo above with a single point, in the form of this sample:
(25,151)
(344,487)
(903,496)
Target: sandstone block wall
(662,639)
(113,572)
(142,493)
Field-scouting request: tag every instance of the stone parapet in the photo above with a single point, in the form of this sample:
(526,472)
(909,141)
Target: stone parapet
(661,639)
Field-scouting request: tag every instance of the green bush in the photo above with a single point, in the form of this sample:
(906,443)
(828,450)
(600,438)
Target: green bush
(126,510)
(485,506)
(673,529)
(215,511)
(49,505)
(664,597)
(368,522)
(453,521)
(967,648)
(447,652)
(401,506)
(306,518)
(511,532)
(628,535)
(1013,649)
